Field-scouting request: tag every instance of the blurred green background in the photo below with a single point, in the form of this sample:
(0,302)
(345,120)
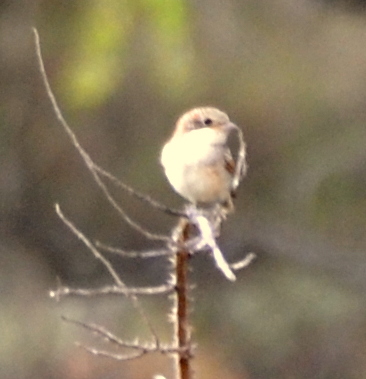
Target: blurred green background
(292,74)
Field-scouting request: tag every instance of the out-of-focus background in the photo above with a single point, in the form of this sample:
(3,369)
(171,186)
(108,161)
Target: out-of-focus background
(292,74)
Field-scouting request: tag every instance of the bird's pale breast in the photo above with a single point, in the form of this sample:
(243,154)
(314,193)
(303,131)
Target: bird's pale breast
(195,167)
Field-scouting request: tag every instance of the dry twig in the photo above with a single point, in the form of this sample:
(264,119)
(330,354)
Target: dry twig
(111,271)
(133,254)
(111,290)
(139,347)
(92,167)
(197,230)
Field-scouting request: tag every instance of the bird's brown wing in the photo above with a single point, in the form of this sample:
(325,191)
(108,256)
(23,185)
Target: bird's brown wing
(230,166)
(229,162)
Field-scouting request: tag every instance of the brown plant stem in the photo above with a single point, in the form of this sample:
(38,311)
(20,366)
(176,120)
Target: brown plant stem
(183,328)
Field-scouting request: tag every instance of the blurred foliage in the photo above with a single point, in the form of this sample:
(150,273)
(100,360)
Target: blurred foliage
(292,74)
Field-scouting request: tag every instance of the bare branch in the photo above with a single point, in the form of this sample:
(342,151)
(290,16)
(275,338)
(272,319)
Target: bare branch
(139,195)
(90,246)
(133,254)
(245,262)
(197,230)
(111,290)
(93,168)
(142,348)
(110,269)
(127,357)
(108,354)
(100,331)
(180,309)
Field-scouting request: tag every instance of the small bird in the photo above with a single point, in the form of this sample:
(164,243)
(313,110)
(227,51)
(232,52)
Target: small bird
(197,160)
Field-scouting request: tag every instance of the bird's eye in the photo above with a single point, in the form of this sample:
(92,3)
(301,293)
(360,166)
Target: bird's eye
(207,121)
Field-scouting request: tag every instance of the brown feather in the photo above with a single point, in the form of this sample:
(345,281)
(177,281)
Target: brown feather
(229,163)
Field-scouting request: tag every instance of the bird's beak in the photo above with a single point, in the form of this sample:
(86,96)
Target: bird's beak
(231,126)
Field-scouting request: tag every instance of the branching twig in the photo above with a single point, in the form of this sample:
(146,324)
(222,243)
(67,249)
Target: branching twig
(140,348)
(110,269)
(104,333)
(197,230)
(93,168)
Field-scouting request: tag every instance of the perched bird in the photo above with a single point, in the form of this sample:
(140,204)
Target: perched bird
(197,160)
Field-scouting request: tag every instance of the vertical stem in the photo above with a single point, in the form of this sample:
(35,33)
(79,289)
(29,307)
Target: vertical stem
(182,326)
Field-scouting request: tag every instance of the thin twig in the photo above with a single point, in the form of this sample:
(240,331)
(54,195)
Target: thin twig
(111,270)
(139,195)
(133,254)
(111,290)
(93,168)
(117,357)
(243,262)
(105,334)
(90,246)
